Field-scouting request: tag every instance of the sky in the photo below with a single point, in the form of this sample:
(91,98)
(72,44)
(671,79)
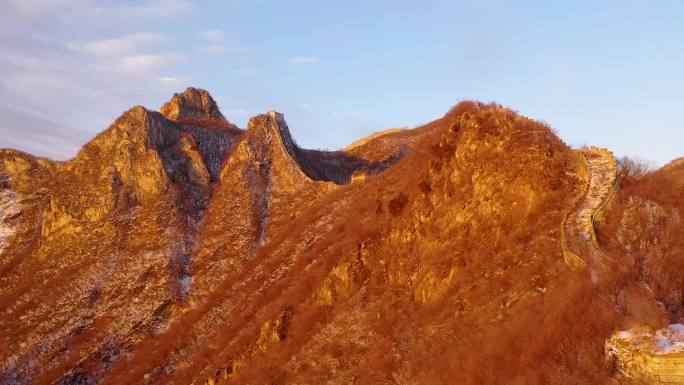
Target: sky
(604,73)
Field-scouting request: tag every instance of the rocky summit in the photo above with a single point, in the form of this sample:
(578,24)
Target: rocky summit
(177,248)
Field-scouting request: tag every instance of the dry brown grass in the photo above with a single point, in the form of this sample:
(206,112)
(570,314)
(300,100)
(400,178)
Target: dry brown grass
(444,268)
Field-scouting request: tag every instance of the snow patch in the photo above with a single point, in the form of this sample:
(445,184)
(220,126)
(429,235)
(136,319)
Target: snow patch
(663,341)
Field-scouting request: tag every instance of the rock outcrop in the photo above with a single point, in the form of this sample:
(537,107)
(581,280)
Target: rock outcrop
(192,104)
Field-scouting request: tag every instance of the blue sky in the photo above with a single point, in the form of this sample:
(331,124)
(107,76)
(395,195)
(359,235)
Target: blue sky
(606,73)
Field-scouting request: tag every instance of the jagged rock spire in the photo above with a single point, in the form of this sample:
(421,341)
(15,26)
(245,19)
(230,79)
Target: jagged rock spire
(193,103)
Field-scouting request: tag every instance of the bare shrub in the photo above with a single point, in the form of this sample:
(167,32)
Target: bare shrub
(631,169)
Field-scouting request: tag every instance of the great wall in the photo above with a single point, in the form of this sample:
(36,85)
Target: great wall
(178,248)
(639,354)
(648,357)
(580,245)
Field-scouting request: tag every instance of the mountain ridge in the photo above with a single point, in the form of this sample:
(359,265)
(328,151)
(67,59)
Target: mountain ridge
(177,248)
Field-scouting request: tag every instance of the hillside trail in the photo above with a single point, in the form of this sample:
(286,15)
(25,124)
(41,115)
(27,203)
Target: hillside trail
(580,244)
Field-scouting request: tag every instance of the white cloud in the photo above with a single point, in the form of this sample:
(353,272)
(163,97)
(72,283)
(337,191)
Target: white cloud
(304,106)
(304,60)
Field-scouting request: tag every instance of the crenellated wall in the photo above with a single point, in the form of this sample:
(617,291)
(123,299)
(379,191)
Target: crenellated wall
(579,243)
(649,358)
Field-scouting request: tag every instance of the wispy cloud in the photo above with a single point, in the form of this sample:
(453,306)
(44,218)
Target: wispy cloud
(121,45)
(140,53)
(146,63)
(40,7)
(147,9)
(174,82)
(304,60)
(212,35)
(214,42)
(78,9)
(219,49)
(61,141)
(53,79)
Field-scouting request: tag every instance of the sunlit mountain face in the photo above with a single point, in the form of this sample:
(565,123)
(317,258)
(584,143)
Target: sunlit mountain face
(178,248)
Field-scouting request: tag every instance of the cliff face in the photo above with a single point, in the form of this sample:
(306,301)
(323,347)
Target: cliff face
(176,248)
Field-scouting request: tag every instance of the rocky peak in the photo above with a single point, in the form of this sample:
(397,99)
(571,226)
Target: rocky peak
(193,103)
